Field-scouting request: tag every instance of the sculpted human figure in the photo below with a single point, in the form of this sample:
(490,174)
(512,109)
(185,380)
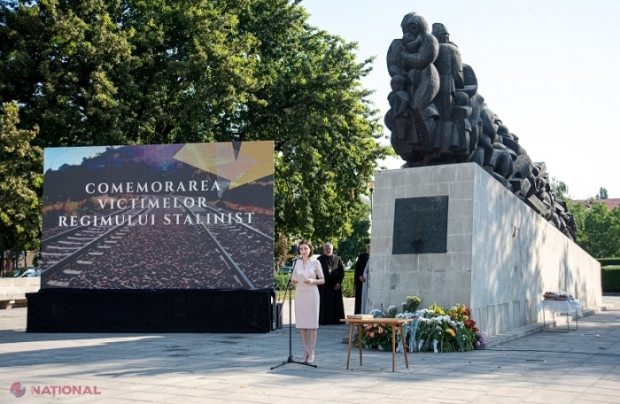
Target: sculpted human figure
(398,119)
(488,135)
(450,69)
(461,111)
(419,51)
(399,101)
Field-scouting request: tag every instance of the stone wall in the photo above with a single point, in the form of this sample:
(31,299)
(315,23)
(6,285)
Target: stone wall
(13,290)
(501,256)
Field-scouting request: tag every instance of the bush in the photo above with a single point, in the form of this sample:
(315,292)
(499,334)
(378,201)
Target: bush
(282,280)
(605,262)
(348,284)
(610,278)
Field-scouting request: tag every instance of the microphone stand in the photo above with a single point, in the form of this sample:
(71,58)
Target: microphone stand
(290,325)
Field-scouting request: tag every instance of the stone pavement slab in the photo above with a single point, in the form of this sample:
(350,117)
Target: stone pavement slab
(546,367)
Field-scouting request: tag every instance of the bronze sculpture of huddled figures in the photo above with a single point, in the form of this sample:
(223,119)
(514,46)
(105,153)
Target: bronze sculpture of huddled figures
(412,56)
(437,116)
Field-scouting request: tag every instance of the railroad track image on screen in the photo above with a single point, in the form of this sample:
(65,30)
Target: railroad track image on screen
(196,216)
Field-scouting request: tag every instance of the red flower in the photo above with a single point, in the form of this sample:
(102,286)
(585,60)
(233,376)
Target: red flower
(466,312)
(475,329)
(470,323)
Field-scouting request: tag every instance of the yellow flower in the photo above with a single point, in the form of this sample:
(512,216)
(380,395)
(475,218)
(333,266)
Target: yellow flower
(451,332)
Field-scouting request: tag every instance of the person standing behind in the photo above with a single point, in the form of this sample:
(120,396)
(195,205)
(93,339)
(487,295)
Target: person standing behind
(307,299)
(332,305)
(360,265)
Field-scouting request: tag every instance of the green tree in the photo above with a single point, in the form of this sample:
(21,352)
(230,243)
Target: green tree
(579,212)
(559,189)
(20,184)
(281,249)
(95,72)
(355,244)
(325,130)
(601,230)
(602,193)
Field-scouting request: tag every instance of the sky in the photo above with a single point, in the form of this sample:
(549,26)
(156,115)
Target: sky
(55,157)
(550,69)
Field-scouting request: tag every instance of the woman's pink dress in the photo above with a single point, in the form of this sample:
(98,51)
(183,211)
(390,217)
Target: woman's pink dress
(307,297)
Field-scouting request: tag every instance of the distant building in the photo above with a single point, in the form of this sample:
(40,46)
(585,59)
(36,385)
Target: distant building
(610,202)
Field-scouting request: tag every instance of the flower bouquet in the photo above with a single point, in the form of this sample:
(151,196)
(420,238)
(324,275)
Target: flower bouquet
(378,336)
(434,329)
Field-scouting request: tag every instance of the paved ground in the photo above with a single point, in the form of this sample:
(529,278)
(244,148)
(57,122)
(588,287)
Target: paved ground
(578,367)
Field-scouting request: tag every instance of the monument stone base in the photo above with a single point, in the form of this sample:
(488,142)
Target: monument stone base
(453,234)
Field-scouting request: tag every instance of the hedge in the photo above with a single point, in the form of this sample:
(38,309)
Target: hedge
(281,280)
(610,277)
(348,284)
(609,261)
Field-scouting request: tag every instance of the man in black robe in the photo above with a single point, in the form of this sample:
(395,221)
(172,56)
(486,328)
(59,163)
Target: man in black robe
(332,305)
(360,266)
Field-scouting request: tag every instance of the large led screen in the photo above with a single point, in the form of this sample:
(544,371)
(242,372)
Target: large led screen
(180,216)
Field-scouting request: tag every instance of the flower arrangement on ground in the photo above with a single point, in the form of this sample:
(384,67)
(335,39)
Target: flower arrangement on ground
(451,330)
(378,336)
(411,305)
(434,329)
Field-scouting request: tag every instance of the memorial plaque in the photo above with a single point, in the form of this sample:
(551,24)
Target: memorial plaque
(420,225)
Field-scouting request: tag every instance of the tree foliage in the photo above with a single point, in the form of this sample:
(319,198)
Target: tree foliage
(598,228)
(356,243)
(20,184)
(313,106)
(95,72)
(127,72)
(559,189)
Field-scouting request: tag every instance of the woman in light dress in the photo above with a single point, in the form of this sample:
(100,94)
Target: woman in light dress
(307,299)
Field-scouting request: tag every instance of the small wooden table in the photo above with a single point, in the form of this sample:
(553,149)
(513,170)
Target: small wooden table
(395,322)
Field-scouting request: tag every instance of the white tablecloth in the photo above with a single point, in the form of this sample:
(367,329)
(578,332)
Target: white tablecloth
(561,306)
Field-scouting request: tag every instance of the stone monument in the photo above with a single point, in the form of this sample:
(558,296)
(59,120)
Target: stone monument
(473,220)
(437,116)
